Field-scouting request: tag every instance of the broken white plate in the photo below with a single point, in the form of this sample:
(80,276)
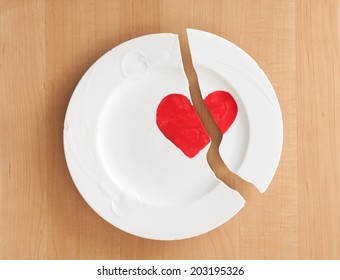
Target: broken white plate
(122,164)
(133,176)
(252,146)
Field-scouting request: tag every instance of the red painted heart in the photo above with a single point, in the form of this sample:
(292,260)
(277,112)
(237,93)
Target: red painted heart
(179,122)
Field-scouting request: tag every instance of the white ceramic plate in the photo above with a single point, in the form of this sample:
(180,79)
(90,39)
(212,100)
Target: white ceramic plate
(127,170)
(252,146)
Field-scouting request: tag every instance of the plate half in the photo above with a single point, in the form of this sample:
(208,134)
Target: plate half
(121,163)
(252,146)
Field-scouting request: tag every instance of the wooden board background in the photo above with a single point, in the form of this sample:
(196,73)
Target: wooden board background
(46,46)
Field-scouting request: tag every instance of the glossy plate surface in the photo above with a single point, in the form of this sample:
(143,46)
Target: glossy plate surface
(123,165)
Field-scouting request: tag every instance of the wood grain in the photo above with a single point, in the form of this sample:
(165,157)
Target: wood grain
(45,48)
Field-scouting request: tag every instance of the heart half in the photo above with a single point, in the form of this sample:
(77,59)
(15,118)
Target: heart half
(178,121)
